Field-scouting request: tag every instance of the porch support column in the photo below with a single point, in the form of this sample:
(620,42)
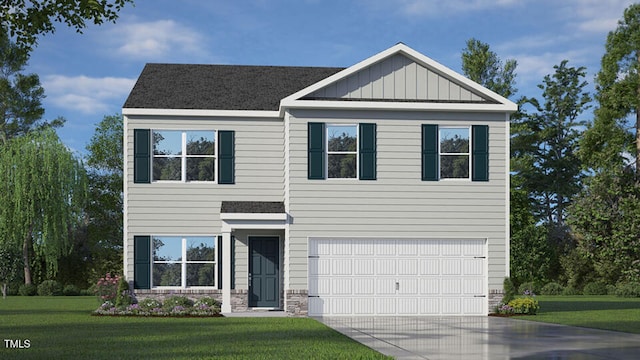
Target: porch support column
(226,271)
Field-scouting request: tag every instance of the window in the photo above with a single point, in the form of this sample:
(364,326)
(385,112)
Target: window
(454,153)
(342,151)
(184,155)
(183,261)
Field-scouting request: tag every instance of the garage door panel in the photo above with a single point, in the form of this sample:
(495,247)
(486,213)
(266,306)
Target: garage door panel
(397,277)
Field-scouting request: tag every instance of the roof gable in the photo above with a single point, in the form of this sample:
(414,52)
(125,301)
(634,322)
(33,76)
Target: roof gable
(398,78)
(399,75)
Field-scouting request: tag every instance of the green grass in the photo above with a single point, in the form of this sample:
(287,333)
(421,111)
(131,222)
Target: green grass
(62,328)
(599,312)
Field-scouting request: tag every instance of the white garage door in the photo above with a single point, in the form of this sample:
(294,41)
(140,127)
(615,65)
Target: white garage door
(397,277)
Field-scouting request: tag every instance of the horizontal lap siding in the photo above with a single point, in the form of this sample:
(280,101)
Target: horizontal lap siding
(193,208)
(398,203)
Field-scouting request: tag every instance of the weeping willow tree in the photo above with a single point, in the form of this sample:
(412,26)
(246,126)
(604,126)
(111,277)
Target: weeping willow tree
(42,196)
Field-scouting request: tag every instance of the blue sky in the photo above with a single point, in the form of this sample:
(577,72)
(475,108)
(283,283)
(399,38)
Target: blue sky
(87,76)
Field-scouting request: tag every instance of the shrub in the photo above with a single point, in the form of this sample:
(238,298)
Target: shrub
(28,290)
(509,290)
(570,291)
(87,292)
(552,288)
(611,289)
(149,304)
(71,290)
(49,288)
(628,289)
(525,305)
(107,288)
(528,288)
(124,296)
(182,301)
(595,288)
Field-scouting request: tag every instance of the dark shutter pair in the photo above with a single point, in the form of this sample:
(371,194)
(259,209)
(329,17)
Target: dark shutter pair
(479,153)
(142,156)
(316,140)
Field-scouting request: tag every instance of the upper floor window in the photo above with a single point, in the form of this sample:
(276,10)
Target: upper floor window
(454,153)
(184,155)
(342,151)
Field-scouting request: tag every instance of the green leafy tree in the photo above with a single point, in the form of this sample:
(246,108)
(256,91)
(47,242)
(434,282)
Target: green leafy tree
(20,94)
(483,66)
(26,20)
(105,205)
(42,192)
(9,266)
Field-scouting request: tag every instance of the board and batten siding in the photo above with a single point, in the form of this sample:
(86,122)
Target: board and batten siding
(398,204)
(165,208)
(400,78)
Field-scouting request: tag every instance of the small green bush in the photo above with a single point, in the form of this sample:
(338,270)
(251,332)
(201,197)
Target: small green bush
(50,288)
(595,288)
(124,296)
(571,291)
(628,290)
(149,304)
(611,289)
(525,305)
(552,288)
(71,290)
(87,292)
(176,300)
(528,288)
(509,290)
(28,290)
(207,301)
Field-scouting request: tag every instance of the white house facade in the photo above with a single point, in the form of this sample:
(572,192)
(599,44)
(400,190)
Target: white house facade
(378,189)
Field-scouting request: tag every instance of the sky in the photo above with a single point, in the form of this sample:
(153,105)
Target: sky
(87,76)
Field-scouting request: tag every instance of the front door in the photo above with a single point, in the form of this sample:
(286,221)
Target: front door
(264,271)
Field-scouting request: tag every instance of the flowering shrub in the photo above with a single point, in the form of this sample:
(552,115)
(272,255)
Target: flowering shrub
(505,309)
(107,288)
(529,293)
(173,306)
(525,305)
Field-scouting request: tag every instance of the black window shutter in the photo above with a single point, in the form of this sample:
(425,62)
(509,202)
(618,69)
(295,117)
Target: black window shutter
(429,152)
(219,260)
(480,153)
(141,156)
(226,157)
(367,151)
(142,262)
(316,151)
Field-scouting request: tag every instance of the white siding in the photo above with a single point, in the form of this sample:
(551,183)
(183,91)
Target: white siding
(397,78)
(398,204)
(194,208)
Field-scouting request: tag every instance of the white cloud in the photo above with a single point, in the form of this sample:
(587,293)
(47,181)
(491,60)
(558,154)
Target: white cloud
(440,7)
(594,16)
(156,40)
(85,94)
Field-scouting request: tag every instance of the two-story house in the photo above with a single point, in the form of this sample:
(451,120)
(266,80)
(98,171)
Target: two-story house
(377,189)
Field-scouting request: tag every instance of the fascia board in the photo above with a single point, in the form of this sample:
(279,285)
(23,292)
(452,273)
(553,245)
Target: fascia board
(399,106)
(201,113)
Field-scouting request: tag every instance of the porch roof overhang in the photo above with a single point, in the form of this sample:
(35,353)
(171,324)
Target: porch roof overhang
(252,215)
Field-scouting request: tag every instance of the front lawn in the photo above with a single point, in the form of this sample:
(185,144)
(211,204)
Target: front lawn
(63,328)
(599,312)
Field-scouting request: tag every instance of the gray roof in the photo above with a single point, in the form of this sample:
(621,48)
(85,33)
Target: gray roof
(252,207)
(220,87)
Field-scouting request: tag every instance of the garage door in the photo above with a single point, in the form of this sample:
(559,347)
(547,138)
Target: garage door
(397,277)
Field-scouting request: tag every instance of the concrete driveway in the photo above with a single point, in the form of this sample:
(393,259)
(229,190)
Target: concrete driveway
(484,338)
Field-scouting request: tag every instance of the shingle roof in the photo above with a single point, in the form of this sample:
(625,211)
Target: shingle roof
(220,87)
(252,207)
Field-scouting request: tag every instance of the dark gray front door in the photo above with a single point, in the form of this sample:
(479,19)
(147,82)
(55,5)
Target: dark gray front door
(264,274)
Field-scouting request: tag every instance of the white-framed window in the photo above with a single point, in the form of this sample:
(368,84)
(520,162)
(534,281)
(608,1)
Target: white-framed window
(455,157)
(342,151)
(183,261)
(184,156)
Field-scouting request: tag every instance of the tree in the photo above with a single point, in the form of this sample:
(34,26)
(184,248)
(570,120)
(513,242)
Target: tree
(104,208)
(483,66)
(618,87)
(42,192)
(27,20)
(548,161)
(21,105)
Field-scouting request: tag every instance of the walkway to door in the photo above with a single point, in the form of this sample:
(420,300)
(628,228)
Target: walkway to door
(482,337)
